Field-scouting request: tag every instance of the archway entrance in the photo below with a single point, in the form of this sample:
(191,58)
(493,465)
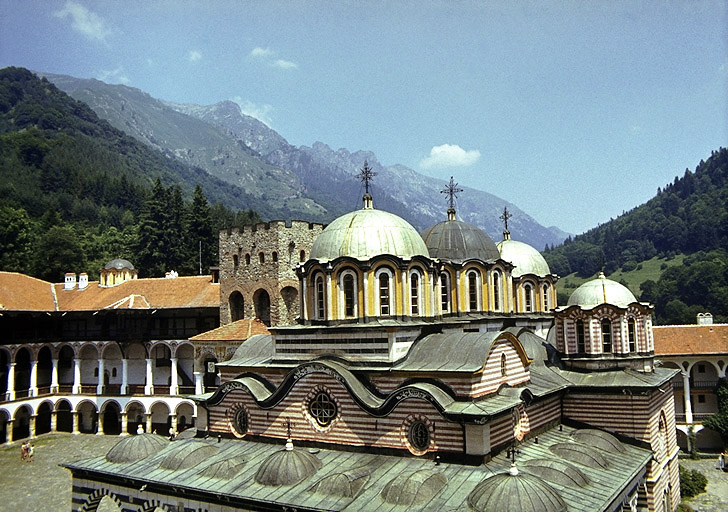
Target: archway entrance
(111,419)
(43,420)
(237,306)
(262,306)
(64,417)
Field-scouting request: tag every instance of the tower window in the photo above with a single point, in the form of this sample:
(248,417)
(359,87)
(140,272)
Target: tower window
(320,298)
(504,369)
(302,256)
(473,291)
(631,335)
(606,336)
(545,297)
(580,337)
(247,259)
(415,293)
(445,292)
(236,262)
(261,257)
(274,256)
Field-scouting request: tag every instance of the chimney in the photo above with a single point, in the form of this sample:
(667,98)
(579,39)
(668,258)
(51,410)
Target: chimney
(705,319)
(82,281)
(70,282)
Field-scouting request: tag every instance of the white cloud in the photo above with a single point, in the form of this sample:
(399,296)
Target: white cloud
(449,155)
(84,21)
(194,56)
(114,76)
(261,112)
(267,55)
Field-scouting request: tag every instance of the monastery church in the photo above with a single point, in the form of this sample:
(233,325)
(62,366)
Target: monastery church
(408,371)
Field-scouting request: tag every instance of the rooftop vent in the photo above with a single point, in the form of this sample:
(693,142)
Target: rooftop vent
(705,319)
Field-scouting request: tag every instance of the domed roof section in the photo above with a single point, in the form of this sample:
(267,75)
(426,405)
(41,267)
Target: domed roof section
(454,240)
(287,467)
(187,454)
(138,447)
(366,233)
(601,291)
(526,259)
(515,491)
(413,489)
(119,264)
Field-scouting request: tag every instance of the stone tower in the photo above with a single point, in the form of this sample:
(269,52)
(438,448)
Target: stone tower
(257,270)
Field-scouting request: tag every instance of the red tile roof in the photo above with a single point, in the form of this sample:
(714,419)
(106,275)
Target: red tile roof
(690,339)
(24,293)
(19,292)
(239,330)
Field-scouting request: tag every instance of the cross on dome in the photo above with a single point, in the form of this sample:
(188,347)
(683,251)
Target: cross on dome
(504,217)
(452,193)
(366,174)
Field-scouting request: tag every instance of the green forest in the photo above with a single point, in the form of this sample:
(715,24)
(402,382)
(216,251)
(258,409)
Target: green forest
(688,216)
(76,192)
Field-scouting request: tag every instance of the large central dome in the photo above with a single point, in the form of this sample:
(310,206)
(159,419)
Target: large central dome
(366,233)
(457,241)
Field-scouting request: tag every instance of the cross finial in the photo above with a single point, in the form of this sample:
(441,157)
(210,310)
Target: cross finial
(505,216)
(452,193)
(365,175)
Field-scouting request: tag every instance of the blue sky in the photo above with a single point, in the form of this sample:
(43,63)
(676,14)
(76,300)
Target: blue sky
(573,110)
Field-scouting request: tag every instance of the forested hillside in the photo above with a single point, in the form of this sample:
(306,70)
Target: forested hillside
(76,192)
(688,216)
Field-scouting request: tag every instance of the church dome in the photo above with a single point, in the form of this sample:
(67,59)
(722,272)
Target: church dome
(454,240)
(134,448)
(366,233)
(601,291)
(287,467)
(526,259)
(119,264)
(515,491)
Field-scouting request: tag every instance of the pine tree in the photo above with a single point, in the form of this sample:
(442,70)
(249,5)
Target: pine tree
(201,236)
(152,247)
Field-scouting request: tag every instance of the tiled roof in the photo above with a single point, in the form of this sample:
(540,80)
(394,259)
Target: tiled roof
(237,331)
(690,339)
(19,292)
(24,293)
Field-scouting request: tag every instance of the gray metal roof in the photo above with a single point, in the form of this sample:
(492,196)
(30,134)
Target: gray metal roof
(452,352)
(604,489)
(457,241)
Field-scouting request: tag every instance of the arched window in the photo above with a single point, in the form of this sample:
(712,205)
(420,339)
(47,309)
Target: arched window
(247,259)
(274,256)
(384,281)
(236,262)
(631,335)
(261,257)
(473,294)
(606,336)
(496,290)
(504,369)
(348,285)
(580,337)
(445,292)
(415,293)
(320,298)
(545,297)
(528,297)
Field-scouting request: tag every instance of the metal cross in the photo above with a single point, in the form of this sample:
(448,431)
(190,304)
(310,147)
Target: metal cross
(365,175)
(452,192)
(506,215)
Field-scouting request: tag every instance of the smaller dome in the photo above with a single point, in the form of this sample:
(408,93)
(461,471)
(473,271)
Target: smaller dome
(454,240)
(119,264)
(526,259)
(601,291)
(187,454)
(224,469)
(134,448)
(515,491)
(287,467)
(413,489)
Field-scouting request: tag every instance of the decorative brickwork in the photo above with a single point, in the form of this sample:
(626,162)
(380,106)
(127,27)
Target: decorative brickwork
(258,263)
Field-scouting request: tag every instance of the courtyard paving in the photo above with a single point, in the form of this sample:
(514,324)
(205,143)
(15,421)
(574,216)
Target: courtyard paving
(43,485)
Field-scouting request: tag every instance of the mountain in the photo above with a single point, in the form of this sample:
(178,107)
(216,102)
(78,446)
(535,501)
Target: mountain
(284,181)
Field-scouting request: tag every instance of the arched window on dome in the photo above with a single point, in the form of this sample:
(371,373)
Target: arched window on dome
(580,337)
(496,291)
(348,294)
(320,290)
(445,292)
(415,293)
(606,336)
(473,291)
(632,335)
(385,291)
(545,290)
(528,297)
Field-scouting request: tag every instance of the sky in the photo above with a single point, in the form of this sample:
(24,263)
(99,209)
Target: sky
(575,111)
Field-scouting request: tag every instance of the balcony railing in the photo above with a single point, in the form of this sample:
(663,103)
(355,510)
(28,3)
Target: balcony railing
(697,417)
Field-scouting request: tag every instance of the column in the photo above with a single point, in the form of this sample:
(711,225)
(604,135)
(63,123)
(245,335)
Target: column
(9,429)
(10,393)
(124,425)
(100,424)
(329,299)
(100,380)
(303,303)
(174,384)
(686,392)
(33,391)
(76,416)
(124,376)
(31,425)
(54,375)
(198,383)
(149,384)
(54,420)
(149,423)
(76,376)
